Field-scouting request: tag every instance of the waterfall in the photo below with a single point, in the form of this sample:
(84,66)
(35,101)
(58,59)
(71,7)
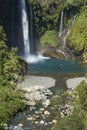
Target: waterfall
(25,28)
(64,40)
(69,29)
(29,57)
(64,49)
(31,29)
(61,24)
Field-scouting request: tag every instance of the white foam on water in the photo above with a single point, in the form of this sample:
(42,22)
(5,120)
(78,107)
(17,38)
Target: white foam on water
(35,58)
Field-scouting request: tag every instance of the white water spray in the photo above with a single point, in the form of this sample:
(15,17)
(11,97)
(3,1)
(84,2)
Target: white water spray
(25,28)
(36,58)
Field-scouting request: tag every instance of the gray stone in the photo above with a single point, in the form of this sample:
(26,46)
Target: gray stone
(46,113)
(41,122)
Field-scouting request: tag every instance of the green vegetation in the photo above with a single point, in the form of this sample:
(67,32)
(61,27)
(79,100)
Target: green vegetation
(46,17)
(10,63)
(11,71)
(46,14)
(78,35)
(50,37)
(76,118)
(10,101)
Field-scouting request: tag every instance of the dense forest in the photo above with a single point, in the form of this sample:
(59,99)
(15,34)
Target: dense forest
(46,19)
(46,22)
(11,71)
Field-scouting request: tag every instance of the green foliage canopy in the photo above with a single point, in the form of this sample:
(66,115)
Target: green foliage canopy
(78,35)
(49,37)
(77,119)
(10,72)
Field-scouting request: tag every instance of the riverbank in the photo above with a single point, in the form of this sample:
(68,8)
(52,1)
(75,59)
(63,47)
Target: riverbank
(31,81)
(48,82)
(36,88)
(37,97)
(74,82)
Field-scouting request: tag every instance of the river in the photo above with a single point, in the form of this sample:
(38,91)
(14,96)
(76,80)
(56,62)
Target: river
(60,70)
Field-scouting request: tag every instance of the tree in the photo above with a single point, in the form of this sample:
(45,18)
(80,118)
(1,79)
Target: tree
(11,70)
(78,35)
(3,49)
(82,95)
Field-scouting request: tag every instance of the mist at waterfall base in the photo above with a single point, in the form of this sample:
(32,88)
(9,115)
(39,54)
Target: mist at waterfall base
(34,58)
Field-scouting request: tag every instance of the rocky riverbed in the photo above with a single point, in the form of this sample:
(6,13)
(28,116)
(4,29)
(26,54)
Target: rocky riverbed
(36,89)
(37,98)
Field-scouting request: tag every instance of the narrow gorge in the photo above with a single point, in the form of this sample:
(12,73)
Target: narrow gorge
(43,64)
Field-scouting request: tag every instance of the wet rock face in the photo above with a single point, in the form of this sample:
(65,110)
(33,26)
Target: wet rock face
(11,22)
(57,52)
(54,54)
(6,9)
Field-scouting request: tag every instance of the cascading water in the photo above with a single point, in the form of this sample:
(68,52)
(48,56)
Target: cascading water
(64,40)
(64,49)
(25,28)
(29,57)
(61,24)
(31,30)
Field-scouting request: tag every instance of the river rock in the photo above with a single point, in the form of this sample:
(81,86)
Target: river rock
(46,113)
(46,103)
(54,121)
(37,112)
(30,103)
(15,127)
(62,115)
(20,125)
(45,124)
(41,122)
(41,109)
(32,108)
(50,123)
(54,54)
(30,118)
(36,122)
(37,116)
(36,93)
(47,92)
